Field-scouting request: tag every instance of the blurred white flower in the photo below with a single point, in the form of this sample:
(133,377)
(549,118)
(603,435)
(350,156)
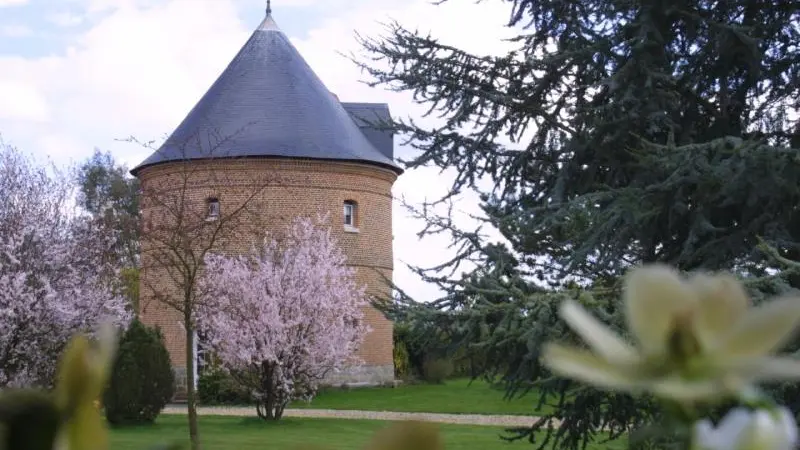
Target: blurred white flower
(742,429)
(695,339)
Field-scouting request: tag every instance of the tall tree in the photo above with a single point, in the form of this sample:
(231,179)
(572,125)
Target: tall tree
(52,272)
(109,193)
(110,196)
(641,131)
(181,225)
(283,317)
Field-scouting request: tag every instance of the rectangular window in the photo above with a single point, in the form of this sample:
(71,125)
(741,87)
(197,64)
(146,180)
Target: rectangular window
(349,214)
(213,209)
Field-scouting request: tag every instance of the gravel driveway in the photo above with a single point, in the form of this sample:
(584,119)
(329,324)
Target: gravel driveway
(464,419)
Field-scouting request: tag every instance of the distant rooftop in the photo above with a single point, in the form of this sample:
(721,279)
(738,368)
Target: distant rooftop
(269,103)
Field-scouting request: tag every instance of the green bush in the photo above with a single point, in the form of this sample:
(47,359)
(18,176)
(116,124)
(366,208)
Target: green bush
(414,354)
(217,387)
(427,355)
(437,369)
(142,381)
(402,361)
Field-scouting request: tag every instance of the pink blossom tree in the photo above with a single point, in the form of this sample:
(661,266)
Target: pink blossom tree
(53,277)
(283,317)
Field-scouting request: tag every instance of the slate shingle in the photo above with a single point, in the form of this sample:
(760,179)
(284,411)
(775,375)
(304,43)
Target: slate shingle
(269,103)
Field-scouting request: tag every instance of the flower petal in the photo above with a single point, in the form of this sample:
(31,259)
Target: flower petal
(762,432)
(599,337)
(585,366)
(680,389)
(765,369)
(788,424)
(722,303)
(731,426)
(705,437)
(763,330)
(655,296)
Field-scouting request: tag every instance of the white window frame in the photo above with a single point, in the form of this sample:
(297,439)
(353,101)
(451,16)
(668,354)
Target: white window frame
(212,209)
(352,207)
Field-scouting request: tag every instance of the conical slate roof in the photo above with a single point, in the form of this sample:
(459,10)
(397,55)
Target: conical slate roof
(269,103)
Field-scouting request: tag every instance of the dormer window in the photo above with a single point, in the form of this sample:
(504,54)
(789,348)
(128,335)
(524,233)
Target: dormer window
(212,208)
(350,215)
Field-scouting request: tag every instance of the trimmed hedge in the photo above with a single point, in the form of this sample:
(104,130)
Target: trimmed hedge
(142,381)
(217,387)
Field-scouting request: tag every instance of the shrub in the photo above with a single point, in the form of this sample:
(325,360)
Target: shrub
(436,369)
(142,381)
(427,355)
(414,353)
(402,361)
(217,387)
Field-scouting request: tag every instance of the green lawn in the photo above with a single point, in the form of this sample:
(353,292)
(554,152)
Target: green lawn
(455,396)
(236,433)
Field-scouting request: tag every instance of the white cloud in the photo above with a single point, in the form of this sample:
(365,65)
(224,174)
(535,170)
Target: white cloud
(143,64)
(65,19)
(9,3)
(22,102)
(15,30)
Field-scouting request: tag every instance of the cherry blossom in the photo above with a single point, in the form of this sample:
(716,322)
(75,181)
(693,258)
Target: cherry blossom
(283,317)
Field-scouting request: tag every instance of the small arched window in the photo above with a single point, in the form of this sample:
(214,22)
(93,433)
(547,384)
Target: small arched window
(212,208)
(350,214)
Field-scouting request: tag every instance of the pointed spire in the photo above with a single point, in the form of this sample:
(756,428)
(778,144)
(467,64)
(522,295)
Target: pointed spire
(268,102)
(268,24)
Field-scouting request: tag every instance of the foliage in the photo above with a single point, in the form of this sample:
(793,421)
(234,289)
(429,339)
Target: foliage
(436,369)
(283,317)
(426,351)
(52,275)
(579,96)
(613,133)
(129,280)
(413,354)
(217,387)
(697,344)
(67,419)
(401,358)
(34,419)
(142,381)
(110,194)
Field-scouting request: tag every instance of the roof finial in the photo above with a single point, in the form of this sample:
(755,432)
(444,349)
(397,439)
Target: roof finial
(269,7)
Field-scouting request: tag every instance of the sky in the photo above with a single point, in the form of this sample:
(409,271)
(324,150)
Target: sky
(80,75)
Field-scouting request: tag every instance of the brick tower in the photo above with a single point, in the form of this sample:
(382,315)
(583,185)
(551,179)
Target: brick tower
(268,120)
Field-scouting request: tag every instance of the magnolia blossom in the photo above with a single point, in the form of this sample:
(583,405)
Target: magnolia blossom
(742,429)
(285,316)
(48,292)
(695,339)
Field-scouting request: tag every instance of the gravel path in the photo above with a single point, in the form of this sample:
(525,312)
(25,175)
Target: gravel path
(464,419)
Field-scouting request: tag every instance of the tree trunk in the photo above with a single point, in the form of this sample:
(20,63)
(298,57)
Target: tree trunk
(279,409)
(191,402)
(270,406)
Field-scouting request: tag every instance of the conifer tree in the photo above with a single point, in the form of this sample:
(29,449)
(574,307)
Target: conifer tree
(641,132)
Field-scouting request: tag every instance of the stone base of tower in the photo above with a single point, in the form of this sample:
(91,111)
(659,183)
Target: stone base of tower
(366,375)
(355,376)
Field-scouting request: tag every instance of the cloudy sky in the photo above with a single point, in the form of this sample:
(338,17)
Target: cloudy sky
(76,75)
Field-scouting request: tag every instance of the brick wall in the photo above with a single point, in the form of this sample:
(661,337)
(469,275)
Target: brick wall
(274,192)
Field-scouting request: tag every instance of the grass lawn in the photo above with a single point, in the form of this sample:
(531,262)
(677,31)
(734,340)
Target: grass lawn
(455,396)
(237,433)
